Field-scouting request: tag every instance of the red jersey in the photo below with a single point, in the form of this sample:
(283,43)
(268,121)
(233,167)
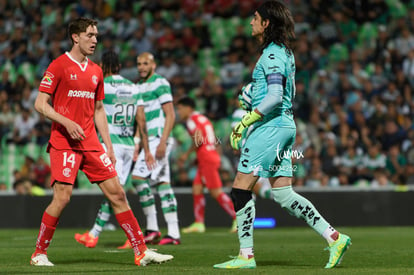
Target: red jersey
(74,89)
(206,142)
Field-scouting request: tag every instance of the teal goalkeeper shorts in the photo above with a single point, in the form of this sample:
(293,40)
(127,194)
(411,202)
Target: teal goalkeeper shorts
(267,152)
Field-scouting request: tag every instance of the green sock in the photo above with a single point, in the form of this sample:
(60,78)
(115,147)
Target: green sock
(102,218)
(169,209)
(147,201)
(245,219)
(300,207)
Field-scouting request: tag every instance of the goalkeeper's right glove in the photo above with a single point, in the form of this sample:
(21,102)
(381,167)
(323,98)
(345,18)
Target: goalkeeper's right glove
(247,120)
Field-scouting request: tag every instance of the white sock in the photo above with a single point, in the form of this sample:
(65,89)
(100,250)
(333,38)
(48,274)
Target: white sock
(96,230)
(152,223)
(328,233)
(247,252)
(172,225)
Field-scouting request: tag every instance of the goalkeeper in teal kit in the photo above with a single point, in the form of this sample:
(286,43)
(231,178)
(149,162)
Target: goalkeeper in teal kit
(268,146)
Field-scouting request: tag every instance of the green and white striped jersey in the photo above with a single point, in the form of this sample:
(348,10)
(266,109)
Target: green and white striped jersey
(121,100)
(155,92)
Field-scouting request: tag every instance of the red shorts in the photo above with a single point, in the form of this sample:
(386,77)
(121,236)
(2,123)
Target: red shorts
(66,163)
(208,174)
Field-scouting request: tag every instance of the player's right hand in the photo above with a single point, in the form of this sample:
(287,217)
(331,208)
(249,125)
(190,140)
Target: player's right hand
(248,119)
(160,152)
(111,155)
(236,135)
(150,161)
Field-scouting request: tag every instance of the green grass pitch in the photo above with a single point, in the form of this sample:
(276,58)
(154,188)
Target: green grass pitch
(283,250)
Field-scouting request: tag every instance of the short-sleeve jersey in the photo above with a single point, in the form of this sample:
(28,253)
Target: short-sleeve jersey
(206,144)
(121,101)
(276,65)
(74,89)
(155,92)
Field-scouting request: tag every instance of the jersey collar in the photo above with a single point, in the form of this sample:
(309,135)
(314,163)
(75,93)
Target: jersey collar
(153,76)
(81,66)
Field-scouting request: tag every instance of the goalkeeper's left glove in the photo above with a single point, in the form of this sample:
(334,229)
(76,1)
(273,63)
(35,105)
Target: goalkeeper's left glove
(247,120)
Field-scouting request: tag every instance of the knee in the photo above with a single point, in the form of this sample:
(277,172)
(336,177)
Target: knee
(214,193)
(61,202)
(240,198)
(282,196)
(118,198)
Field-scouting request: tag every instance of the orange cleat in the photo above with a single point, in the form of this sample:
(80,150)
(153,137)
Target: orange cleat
(126,245)
(86,239)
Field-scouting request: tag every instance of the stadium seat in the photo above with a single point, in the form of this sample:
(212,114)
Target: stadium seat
(111,3)
(28,71)
(367,33)
(231,25)
(338,52)
(397,8)
(8,66)
(246,24)
(124,52)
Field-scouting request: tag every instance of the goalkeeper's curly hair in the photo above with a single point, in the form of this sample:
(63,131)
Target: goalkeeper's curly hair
(281,29)
(110,63)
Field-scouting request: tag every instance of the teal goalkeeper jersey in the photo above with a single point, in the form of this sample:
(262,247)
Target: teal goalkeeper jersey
(121,100)
(275,60)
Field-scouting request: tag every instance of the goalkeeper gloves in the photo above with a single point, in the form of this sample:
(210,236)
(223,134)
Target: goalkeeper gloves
(247,120)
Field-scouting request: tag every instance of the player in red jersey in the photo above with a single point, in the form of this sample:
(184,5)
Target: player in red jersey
(208,161)
(71,94)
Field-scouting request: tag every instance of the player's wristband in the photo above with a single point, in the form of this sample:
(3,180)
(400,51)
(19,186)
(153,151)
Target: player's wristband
(137,140)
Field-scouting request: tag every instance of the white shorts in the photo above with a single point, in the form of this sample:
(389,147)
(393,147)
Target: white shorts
(124,155)
(161,173)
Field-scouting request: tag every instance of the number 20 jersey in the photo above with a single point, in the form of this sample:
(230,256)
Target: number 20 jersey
(122,98)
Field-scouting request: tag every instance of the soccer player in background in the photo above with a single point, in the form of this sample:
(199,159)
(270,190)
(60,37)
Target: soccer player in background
(208,164)
(123,106)
(273,133)
(71,94)
(160,118)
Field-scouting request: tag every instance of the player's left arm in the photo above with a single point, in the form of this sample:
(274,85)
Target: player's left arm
(274,95)
(168,109)
(102,126)
(276,82)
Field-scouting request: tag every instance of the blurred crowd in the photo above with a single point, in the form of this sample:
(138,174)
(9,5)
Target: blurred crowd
(354,76)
